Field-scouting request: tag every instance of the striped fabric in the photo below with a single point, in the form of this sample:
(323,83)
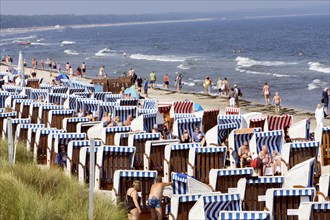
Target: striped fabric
(117,129)
(59,89)
(83,85)
(84,143)
(244,215)
(46,86)
(57,98)
(183,107)
(266,179)
(79,102)
(210,149)
(146,111)
(233,111)
(138,173)
(179,183)
(321,205)
(101,95)
(72,101)
(26,102)
(164,108)
(305,144)
(124,111)
(89,105)
(27,126)
(279,122)
(324,129)
(123,149)
(189,198)
(78,119)
(183,115)
(184,146)
(294,192)
(83,94)
(240,138)
(224,131)
(228,119)
(73,90)
(20,121)
(61,112)
(3,97)
(18,97)
(12,89)
(128,102)
(257,119)
(49,131)
(216,203)
(36,93)
(8,114)
(113,97)
(238,171)
(149,120)
(51,107)
(65,138)
(272,139)
(108,107)
(146,136)
(189,124)
(149,104)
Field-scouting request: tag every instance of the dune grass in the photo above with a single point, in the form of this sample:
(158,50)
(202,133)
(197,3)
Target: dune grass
(29,192)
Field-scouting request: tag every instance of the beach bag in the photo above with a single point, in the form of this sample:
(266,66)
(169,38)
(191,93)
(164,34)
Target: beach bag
(256,163)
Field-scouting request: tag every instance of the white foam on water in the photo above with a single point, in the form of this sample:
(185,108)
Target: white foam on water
(283,75)
(163,58)
(71,52)
(65,42)
(183,66)
(319,67)
(252,72)
(248,62)
(317,83)
(105,52)
(190,84)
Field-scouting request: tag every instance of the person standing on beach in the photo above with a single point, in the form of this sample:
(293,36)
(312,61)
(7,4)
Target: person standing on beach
(42,64)
(266,93)
(219,86)
(225,86)
(325,100)
(152,78)
(146,87)
(178,82)
(207,85)
(277,103)
(155,198)
(101,72)
(231,97)
(83,68)
(236,94)
(67,67)
(166,81)
(133,201)
(319,116)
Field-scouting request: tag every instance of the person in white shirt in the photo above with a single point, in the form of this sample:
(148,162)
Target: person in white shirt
(319,115)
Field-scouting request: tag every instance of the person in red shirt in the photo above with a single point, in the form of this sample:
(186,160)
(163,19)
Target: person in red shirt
(166,81)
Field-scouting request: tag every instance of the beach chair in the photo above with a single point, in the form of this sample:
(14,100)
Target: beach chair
(155,153)
(144,122)
(138,141)
(31,137)
(123,180)
(164,108)
(258,123)
(34,111)
(59,89)
(184,184)
(100,95)
(219,133)
(56,118)
(3,117)
(113,97)
(108,134)
(22,133)
(15,122)
(182,107)
(106,107)
(44,111)
(82,127)
(150,104)
(209,206)
(276,122)
(186,123)
(300,130)
(253,116)
(84,164)
(209,119)
(146,111)
(13,90)
(36,93)
(58,98)
(228,119)
(203,159)
(40,145)
(325,148)
(183,115)
(24,109)
(176,159)
(33,83)
(124,111)
(75,90)
(324,187)
(70,124)
(89,105)
(128,102)
(314,211)
(121,139)
(73,153)
(181,205)
(55,141)
(244,215)
(10,100)
(233,111)
(108,160)
(16,106)
(46,86)
(223,180)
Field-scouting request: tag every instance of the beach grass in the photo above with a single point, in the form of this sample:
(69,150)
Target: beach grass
(29,192)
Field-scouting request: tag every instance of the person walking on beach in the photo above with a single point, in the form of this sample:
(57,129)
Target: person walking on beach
(225,86)
(146,87)
(166,81)
(83,68)
(237,93)
(231,97)
(178,82)
(319,116)
(219,86)
(155,198)
(152,78)
(277,103)
(42,64)
(207,85)
(132,201)
(266,93)
(325,100)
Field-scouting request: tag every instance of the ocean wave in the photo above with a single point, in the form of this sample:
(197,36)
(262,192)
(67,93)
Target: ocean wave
(317,83)
(71,52)
(316,66)
(42,44)
(65,42)
(104,52)
(247,62)
(190,84)
(183,66)
(164,58)
(16,39)
(264,73)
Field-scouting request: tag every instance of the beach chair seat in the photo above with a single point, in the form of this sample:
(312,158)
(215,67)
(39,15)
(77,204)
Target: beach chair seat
(43,112)
(223,180)
(314,211)
(84,163)
(209,206)
(228,119)
(22,133)
(70,124)
(184,184)
(15,122)
(244,215)
(155,153)
(210,119)
(108,134)
(56,118)
(233,111)
(144,122)
(4,116)
(109,159)
(139,141)
(121,139)
(276,122)
(123,180)
(55,141)
(41,143)
(219,133)
(176,159)
(128,102)
(73,153)
(203,159)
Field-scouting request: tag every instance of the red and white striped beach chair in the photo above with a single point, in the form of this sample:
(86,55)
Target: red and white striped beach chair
(233,111)
(279,122)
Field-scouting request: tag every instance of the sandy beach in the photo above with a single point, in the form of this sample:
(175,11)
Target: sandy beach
(208,102)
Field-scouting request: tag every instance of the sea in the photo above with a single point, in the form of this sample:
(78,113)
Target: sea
(290,53)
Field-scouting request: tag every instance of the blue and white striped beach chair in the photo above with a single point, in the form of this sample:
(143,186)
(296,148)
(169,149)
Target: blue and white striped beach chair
(109,159)
(17,105)
(87,95)
(56,117)
(149,104)
(11,99)
(228,119)
(183,115)
(70,102)
(24,110)
(244,215)
(146,111)
(34,111)
(46,86)
(144,122)
(108,134)
(121,139)
(209,206)
(128,102)
(219,133)
(89,105)
(124,111)
(82,127)
(3,116)
(59,89)
(186,123)
(14,90)
(74,90)
(70,124)
(184,184)
(113,97)
(15,122)
(106,107)
(56,98)
(314,210)
(100,95)
(3,97)
(36,93)
(176,159)
(84,163)
(22,133)
(181,204)
(43,112)
(31,137)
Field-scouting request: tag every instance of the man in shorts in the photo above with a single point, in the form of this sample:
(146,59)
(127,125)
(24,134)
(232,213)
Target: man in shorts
(152,79)
(244,154)
(277,101)
(155,198)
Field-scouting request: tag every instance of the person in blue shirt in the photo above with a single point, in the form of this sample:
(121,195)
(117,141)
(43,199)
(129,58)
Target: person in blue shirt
(198,137)
(146,87)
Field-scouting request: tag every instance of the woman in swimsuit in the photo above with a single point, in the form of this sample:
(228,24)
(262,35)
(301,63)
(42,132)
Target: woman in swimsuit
(132,201)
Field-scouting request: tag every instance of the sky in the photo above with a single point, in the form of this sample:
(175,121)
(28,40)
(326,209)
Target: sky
(85,7)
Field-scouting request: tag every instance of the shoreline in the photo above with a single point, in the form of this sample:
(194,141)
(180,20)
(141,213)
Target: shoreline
(206,101)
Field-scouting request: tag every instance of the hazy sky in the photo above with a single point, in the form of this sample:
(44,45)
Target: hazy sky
(26,7)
